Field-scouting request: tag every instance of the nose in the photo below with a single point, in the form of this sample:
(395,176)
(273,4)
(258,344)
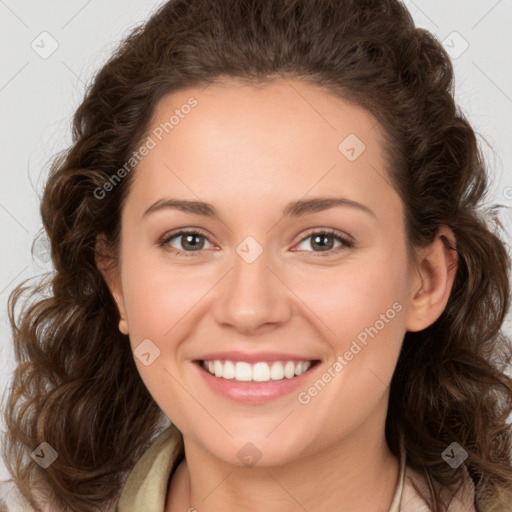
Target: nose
(252,297)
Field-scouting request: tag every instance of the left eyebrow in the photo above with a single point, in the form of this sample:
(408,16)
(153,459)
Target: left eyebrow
(318,204)
(294,209)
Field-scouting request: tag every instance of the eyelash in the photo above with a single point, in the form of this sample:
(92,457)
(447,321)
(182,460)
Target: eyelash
(346,243)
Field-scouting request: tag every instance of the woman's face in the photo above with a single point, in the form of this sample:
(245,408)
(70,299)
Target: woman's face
(268,178)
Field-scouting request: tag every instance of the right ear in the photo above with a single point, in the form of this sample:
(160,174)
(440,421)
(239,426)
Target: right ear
(107,265)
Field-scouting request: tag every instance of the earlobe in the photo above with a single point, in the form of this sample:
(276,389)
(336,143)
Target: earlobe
(432,285)
(123,326)
(109,269)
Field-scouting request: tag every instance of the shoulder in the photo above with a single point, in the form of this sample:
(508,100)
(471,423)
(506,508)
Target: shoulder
(417,488)
(146,485)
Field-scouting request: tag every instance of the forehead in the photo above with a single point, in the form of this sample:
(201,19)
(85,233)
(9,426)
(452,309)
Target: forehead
(253,147)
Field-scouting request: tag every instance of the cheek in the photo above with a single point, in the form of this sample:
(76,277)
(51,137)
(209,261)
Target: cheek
(157,300)
(351,298)
(157,295)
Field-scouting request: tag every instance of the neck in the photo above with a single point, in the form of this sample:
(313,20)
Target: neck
(357,473)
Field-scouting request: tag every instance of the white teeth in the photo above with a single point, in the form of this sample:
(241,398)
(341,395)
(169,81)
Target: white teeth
(277,371)
(289,370)
(258,372)
(301,368)
(243,372)
(217,366)
(261,372)
(228,371)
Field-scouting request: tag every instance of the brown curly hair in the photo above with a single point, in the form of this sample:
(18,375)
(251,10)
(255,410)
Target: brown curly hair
(76,385)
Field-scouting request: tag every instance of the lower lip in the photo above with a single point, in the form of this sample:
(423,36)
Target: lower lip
(254,391)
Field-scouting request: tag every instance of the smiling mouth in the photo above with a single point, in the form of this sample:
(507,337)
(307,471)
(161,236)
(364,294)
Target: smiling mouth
(242,371)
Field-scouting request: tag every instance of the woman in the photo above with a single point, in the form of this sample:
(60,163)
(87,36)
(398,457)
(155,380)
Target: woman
(267,231)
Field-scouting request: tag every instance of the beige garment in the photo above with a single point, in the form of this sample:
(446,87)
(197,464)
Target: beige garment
(146,486)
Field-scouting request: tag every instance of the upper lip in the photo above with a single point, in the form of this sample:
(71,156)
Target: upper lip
(254,357)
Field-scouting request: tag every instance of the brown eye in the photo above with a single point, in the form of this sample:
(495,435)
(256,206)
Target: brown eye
(324,242)
(190,242)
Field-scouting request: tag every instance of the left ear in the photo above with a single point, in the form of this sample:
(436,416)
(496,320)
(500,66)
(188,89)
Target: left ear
(431,286)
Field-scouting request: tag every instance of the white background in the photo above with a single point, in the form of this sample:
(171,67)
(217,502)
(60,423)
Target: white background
(38,97)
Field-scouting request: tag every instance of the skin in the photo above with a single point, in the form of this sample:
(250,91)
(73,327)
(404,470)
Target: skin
(249,151)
